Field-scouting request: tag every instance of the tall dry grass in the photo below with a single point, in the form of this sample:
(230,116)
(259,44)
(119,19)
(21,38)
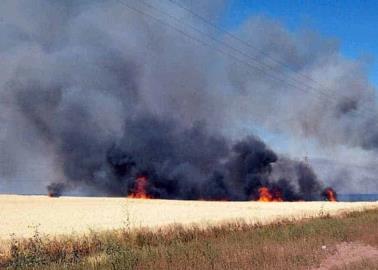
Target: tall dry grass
(284,245)
(64,215)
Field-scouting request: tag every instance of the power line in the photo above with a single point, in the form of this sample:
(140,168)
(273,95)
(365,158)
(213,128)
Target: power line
(258,65)
(234,37)
(195,39)
(208,45)
(276,61)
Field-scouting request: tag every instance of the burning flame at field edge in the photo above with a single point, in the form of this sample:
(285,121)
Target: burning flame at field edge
(268,195)
(265,194)
(330,194)
(140,190)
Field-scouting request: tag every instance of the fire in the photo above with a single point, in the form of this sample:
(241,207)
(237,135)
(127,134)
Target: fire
(52,194)
(267,195)
(330,194)
(140,189)
(264,195)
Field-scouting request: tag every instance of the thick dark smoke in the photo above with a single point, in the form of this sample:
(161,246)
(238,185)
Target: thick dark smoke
(184,163)
(181,163)
(94,95)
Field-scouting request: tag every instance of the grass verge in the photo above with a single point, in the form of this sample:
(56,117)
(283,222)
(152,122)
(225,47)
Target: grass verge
(283,245)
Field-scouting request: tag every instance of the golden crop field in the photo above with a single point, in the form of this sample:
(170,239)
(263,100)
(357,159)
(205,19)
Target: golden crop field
(22,215)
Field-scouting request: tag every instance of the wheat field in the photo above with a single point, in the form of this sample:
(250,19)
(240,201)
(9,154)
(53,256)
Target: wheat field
(21,216)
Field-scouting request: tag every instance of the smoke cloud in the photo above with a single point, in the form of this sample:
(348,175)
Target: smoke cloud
(94,94)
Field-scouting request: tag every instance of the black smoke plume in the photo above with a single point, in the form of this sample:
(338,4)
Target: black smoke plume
(183,163)
(93,95)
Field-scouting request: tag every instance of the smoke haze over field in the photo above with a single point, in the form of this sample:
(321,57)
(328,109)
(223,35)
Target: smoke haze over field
(93,95)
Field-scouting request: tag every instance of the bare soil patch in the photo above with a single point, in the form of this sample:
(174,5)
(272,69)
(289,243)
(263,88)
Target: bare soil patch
(348,253)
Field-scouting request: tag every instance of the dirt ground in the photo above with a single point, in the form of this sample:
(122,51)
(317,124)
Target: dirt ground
(22,215)
(348,253)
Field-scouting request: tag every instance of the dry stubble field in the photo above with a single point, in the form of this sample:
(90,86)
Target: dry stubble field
(22,215)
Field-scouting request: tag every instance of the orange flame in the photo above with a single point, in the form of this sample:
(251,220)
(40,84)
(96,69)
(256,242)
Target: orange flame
(140,189)
(330,194)
(266,195)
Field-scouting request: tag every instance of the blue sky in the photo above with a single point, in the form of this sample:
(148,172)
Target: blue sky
(353,23)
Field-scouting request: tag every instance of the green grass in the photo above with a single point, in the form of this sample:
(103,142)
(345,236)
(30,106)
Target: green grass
(285,245)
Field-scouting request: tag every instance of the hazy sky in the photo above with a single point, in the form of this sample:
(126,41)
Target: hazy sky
(353,22)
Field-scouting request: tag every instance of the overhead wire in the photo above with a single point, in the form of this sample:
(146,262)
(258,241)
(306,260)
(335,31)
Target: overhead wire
(220,29)
(257,64)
